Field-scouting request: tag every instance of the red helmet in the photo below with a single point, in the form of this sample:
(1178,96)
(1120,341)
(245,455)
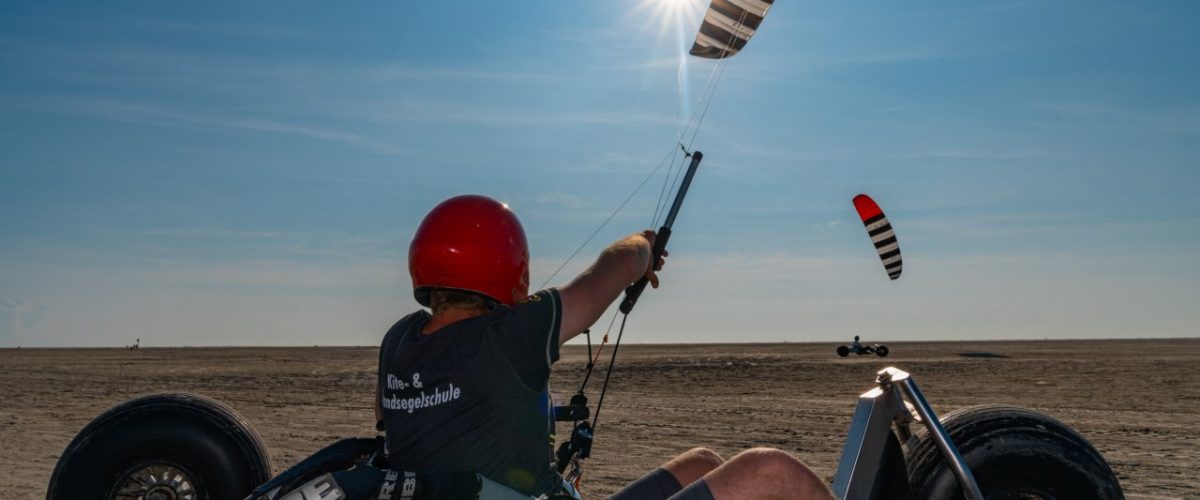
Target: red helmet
(474,244)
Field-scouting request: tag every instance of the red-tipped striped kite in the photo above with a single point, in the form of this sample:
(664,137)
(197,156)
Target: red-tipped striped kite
(880,231)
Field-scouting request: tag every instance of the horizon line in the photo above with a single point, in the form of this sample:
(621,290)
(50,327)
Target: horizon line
(645,344)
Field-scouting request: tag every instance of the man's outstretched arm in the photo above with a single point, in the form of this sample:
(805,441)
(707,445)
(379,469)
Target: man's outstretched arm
(586,297)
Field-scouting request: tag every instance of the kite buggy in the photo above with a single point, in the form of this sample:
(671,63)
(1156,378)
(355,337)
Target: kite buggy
(856,347)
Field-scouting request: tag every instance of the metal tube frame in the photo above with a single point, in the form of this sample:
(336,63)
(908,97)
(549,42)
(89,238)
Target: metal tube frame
(877,409)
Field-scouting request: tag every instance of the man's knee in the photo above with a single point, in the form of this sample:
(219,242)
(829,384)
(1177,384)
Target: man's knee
(766,473)
(702,456)
(777,464)
(693,464)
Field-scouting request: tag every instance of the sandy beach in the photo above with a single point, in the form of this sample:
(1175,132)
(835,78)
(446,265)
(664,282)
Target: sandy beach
(1137,401)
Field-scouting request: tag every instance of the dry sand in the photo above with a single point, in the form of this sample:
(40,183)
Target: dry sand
(1137,401)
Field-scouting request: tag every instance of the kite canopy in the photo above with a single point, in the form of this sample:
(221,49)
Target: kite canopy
(881,233)
(727,26)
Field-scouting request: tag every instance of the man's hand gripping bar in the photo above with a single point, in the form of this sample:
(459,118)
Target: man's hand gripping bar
(664,233)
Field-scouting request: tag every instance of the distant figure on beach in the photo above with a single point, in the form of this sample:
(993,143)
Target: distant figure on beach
(856,347)
(466,385)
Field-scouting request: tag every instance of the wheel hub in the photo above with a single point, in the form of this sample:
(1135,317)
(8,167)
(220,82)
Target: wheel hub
(156,482)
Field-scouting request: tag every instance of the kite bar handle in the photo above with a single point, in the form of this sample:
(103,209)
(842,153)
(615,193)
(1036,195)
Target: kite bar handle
(664,233)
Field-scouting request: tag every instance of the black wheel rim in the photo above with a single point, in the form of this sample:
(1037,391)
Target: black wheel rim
(156,481)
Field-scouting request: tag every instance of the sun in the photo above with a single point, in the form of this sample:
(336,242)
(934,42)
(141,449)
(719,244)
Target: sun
(668,14)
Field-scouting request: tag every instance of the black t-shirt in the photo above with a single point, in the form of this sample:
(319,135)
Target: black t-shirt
(474,395)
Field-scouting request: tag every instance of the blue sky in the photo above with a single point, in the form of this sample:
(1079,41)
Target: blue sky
(249,173)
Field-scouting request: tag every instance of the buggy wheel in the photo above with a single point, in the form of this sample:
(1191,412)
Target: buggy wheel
(881,351)
(843,351)
(1014,454)
(165,447)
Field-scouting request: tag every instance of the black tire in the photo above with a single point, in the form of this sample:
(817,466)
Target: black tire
(1014,453)
(193,446)
(881,351)
(843,351)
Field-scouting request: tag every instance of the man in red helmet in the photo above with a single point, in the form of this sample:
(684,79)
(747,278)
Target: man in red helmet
(466,385)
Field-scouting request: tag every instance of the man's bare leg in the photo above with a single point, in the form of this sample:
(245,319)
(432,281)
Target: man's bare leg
(764,474)
(666,481)
(693,464)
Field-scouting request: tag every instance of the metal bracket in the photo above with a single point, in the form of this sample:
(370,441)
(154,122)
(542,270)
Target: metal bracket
(864,452)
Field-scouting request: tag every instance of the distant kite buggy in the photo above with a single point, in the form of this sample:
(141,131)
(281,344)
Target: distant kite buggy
(881,233)
(857,348)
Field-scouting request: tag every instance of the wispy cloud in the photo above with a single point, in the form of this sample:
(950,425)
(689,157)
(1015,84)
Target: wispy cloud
(200,232)
(17,316)
(563,200)
(358,104)
(1178,118)
(406,73)
(257,31)
(144,113)
(1033,227)
(365,274)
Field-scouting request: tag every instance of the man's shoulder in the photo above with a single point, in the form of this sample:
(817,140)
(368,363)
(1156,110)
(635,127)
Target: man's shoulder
(539,306)
(407,323)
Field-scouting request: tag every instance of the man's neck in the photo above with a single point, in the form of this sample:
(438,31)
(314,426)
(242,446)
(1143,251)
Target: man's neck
(447,316)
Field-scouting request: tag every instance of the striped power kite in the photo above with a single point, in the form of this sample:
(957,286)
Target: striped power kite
(881,233)
(727,26)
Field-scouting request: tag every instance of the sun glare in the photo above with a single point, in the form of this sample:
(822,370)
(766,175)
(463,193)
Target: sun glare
(668,14)
(675,20)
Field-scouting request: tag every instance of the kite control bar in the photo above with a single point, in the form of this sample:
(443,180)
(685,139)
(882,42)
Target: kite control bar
(664,233)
